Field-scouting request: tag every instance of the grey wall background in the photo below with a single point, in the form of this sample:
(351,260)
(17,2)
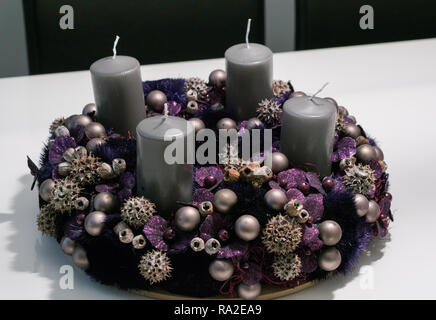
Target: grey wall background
(279,33)
(13,51)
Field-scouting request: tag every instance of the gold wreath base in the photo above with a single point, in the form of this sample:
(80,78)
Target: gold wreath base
(268,293)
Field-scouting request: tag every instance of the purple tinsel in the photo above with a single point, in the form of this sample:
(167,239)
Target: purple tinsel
(59,146)
(344,148)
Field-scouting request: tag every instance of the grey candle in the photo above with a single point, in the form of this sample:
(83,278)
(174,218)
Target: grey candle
(118,92)
(162,182)
(308,125)
(249,69)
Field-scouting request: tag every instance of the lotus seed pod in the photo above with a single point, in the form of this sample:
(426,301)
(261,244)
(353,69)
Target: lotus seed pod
(197,244)
(205,208)
(81,203)
(212,246)
(139,242)
(118,166)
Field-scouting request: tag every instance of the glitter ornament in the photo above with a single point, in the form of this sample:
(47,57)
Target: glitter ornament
(282,234)
(136,211)
(45,220)
(280,87)
(197,85)
(64,195)
(155,266)
(269,112)
(84,169)
(286,267)
(359,179)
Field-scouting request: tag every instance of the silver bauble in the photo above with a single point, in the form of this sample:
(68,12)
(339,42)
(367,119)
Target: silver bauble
(197,123)
(93,144)
(67,245)
(224,200)
(89,108)
(365,153)
(69,154)
(276,199)
(352,130)
(362,204)
(226,123)
(105,171)
(254,123)
(249,292)
(62,131)
(95,130)
(378,153)
(217,78)
(80,258)
(94,222)
(156,100)
(279,162)
(106,202)
(79,119)
(330,232)
(329,259)
(373,211)
(221,270)
(46,188)
(187,218)
(247,227)
(63,168)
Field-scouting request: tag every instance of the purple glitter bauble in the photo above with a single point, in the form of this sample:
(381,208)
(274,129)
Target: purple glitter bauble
(304,187)
(169,234)
(328,184)
(209,181)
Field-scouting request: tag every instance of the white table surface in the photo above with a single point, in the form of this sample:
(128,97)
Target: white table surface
(390,88)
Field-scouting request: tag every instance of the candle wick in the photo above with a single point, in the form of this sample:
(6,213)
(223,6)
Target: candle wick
(247,33)
(114,49)
(322,88)
(166,110)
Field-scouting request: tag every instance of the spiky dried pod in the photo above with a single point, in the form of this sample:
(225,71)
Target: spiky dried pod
(287,267)
(56,124)
(269,112)
(282,234)
(359,178)
(64,195)
(84,170)
(198,85)
(155,266)
(280,87)
(45,220)
(136,211)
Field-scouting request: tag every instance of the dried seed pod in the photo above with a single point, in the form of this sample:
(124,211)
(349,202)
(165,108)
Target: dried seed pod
(64,168)
(191,95)
(293,207)
(139,242)
(197,244)
(81,203)
(347,163)
(105,171)
(119,166)
(80,152)
(123,231)
(192,107)
(212,246)
(231,175)
(205,208)
(302,216)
